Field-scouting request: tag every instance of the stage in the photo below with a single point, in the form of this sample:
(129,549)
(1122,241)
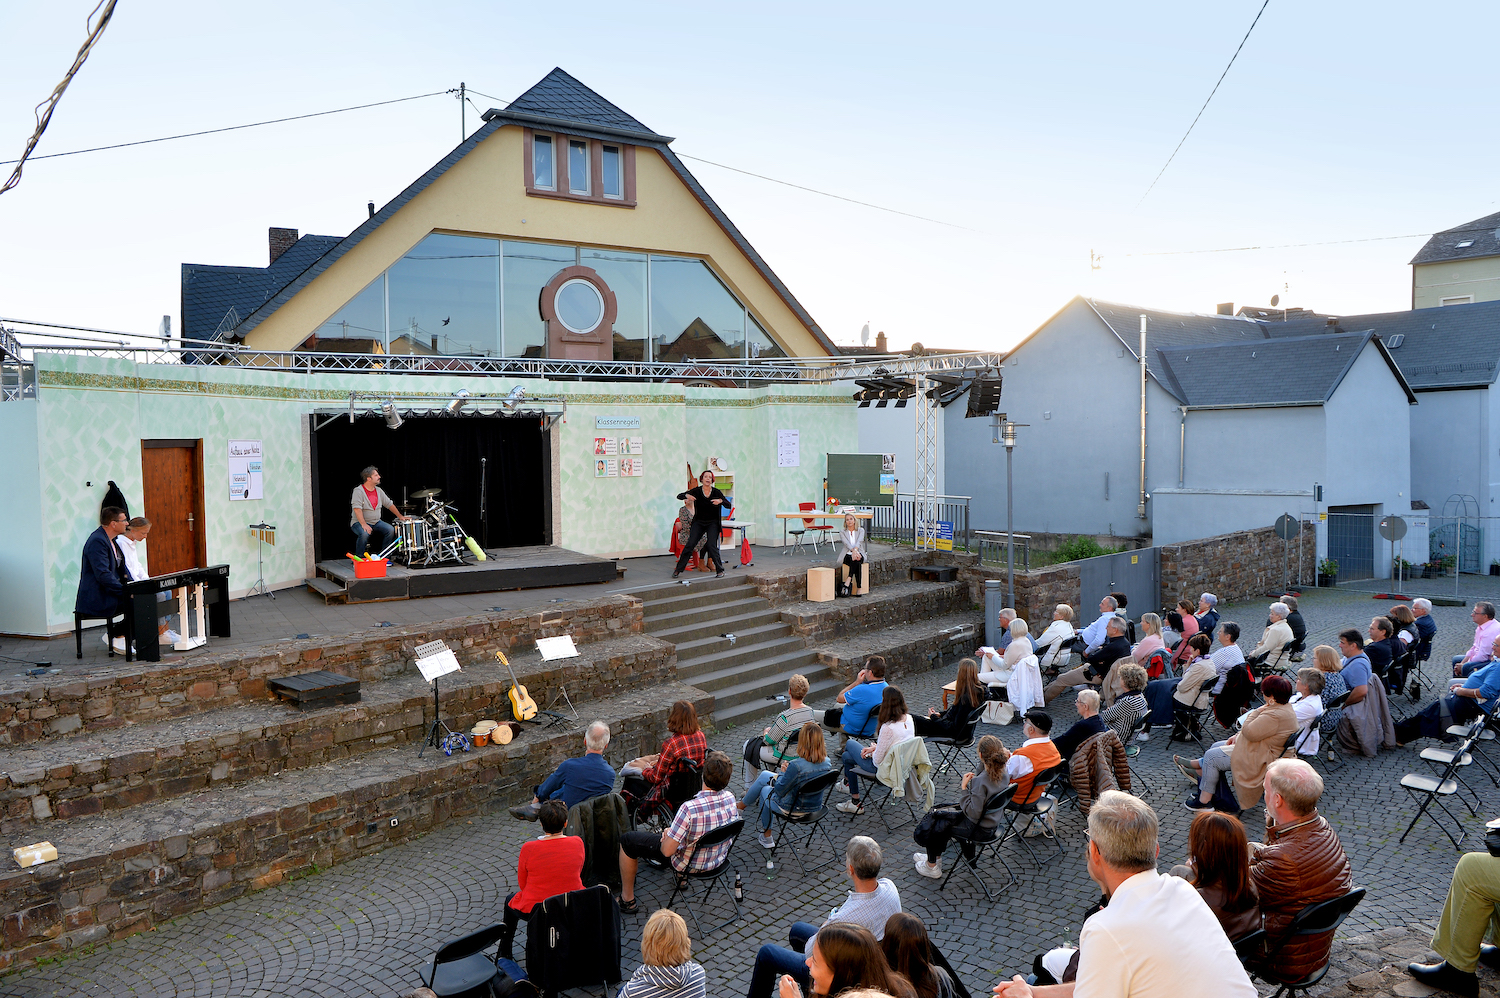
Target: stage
(535,567)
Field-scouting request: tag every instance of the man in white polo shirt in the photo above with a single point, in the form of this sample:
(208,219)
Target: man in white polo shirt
(1135,945)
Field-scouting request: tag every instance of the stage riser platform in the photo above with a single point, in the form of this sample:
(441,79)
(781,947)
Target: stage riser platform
(507,568)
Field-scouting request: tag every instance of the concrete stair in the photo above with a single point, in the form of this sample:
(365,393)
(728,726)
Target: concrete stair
(744,675)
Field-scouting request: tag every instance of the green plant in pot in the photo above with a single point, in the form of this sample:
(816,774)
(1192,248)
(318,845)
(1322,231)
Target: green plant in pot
(1328,572)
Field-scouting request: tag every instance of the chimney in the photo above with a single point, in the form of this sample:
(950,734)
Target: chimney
(1226,308)
(281,241)
(1331,325)
(880,346)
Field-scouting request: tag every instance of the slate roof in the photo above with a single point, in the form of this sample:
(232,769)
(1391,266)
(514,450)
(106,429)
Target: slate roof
(1302,370)
(209,291)
(1167,330)
(559,95)
(1482,235)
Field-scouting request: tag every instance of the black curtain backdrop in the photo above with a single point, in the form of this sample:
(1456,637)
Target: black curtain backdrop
(437,451)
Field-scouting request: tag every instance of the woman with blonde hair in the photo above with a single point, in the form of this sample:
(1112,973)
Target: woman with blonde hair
(939,826)
(1152,642)
(1327,661)
(856,559)
(667,969)
(781,789)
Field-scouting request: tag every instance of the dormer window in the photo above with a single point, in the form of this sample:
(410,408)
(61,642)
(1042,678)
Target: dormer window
(579,169)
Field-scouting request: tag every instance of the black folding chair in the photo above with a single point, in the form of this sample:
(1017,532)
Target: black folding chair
(1136,779)
(1330,744)
(683,785)
(1432,788)
(812,820)
(1314,920)
(1249,947)
(1483,728)
(711,878)
(1036,813)
(953,749)
(459,967)
(1187,718)
(983,840)
(874,787)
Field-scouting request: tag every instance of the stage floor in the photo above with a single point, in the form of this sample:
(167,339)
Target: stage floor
(539,567)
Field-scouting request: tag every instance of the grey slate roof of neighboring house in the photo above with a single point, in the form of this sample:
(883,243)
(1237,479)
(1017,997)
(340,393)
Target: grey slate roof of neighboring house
(1302,370)
(209,291)
(572,100)
(1165,330)
(1482,235)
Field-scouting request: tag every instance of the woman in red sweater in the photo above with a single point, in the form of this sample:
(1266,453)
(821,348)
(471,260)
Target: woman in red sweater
(548,865)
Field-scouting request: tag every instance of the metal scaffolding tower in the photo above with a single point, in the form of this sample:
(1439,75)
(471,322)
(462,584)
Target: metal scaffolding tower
(925,508)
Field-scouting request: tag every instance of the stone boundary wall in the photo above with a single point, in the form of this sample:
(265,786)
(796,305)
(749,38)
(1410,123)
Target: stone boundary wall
(888,566)
(1242,565)
(56,907)
(917,601)
(1037,591)
(60,705)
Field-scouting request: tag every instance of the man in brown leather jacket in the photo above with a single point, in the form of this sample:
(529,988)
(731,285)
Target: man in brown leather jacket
(1300,863)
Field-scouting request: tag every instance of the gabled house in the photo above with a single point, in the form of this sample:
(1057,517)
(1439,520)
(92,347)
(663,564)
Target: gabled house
(1458,266)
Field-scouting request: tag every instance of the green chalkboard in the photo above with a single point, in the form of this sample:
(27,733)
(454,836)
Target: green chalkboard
(855,480)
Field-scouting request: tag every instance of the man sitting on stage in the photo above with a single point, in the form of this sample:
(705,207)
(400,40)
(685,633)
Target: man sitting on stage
(368,499)
(576,780)
(101,584)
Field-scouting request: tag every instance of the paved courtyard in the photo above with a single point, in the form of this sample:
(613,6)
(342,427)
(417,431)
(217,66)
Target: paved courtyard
(361,929)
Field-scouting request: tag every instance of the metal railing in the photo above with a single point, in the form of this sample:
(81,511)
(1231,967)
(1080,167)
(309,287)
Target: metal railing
(17,381)
(992,546)
(898,523)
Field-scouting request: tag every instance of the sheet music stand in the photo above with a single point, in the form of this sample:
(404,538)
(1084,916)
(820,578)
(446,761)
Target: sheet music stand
(261,530)
(552,649)
(434,659)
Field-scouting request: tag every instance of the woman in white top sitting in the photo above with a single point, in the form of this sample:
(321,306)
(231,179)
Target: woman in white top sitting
(855,555)
(1307,704)
(1049,642)
(1017,671)
(998,673)
(895,727)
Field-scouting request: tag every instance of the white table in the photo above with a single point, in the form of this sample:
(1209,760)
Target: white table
(741,526)
(814,514)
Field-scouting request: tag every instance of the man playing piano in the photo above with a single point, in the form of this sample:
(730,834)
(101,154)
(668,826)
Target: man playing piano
(101,583)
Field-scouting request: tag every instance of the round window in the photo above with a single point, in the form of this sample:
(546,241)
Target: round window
(579,306)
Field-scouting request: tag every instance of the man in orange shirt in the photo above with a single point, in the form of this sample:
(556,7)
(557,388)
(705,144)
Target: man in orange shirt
(1036,754)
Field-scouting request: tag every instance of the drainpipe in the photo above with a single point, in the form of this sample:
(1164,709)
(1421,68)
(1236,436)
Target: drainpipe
(1140,509)
(1181,445)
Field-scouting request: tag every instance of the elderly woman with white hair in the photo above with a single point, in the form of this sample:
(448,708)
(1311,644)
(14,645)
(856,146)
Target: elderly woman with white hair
(1016,670)
(1049,643)
(1275,638)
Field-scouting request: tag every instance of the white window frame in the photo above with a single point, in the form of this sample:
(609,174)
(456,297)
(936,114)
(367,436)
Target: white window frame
(548,183)
(619,172)
(573,187)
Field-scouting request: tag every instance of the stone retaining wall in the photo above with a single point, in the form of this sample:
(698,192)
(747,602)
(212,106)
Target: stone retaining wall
(1243,565)
(903,604)
(888,566)
(50,706)
(907,650)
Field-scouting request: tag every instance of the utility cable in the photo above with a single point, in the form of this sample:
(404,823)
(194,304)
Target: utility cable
(44,118)
(231,128)
(1244,249)
(1205,104)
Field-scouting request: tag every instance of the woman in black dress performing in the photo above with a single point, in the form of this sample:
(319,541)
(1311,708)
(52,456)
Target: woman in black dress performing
(708,507)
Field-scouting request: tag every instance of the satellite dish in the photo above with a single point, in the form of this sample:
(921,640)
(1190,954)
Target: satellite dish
(1275,300)
(864,336)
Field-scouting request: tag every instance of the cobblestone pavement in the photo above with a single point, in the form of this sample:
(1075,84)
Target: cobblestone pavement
(362,928)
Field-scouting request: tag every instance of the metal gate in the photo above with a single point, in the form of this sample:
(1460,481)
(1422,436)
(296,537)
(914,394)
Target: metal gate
(1137,574)
(1351,543)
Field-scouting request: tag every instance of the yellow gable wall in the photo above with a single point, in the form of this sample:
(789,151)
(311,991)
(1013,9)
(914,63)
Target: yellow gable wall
(484,194)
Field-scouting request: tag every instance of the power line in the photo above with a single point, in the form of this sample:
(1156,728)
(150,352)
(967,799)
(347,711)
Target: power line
(44,118)
(1205,103)
(1246,249)
(231,128)
(813,190)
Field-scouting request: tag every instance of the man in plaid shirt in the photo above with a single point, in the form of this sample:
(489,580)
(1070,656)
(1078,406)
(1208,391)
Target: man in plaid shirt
(712,808)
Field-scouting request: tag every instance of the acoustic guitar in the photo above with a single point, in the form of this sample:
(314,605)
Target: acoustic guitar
(521,704)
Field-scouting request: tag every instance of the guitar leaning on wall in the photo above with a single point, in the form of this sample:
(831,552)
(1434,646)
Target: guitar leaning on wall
(521,704)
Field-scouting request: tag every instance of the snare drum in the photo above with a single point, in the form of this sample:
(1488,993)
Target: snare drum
(413,534)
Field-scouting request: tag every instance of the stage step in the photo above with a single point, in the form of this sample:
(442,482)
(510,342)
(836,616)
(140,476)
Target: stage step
(695,668)
(758,680)
(690,597)
(332,592)
(696,647)
(761,711)
(733,621)
(690,582)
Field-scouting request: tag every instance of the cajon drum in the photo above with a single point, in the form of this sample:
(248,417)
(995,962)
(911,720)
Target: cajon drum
(820,584)
(845,573)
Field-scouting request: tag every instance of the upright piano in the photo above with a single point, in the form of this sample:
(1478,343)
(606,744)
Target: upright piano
(208,595)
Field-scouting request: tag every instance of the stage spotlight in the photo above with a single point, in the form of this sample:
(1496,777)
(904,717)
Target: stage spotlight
(513,398)
(392,418)
(460,397)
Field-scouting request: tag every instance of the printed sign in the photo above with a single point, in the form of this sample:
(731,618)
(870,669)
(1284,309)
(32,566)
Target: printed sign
(788,449)
(617,422)
(887,485)
(607,467)
(245,480)
(631,445)
(944,535)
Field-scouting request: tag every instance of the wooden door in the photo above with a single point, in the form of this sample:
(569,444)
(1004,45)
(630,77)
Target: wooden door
(172,483)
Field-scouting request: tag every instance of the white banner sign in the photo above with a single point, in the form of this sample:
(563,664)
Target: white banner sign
(245,470)
(788,449)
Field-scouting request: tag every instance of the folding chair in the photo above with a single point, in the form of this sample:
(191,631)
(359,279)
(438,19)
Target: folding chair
(1319,919)
(1189,719)
(1483,730)
(1036,813)
(1433,788)
(573,941)
(459,967)
(953,749)
(875,785)
(813,820)
(1249,947)
(1136,779)
(1330,745)
(981,841)
(711,878)
(682,786)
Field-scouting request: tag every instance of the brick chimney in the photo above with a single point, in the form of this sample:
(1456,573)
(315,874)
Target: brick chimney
(880,346)
(281,241)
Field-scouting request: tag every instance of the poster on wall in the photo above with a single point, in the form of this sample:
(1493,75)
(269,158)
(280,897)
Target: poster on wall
(245,476)
(632,445)
(606,446)
(632,467)
(607,467)
(788,449)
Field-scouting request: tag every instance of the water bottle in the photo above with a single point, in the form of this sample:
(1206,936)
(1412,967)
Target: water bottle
(739,888)
(770,866)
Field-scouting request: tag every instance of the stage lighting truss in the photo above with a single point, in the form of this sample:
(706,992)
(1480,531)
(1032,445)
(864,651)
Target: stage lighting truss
(883,390)
(982,386)
(394,408)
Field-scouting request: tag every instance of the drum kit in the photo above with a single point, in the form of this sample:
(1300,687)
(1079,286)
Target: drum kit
(430,535)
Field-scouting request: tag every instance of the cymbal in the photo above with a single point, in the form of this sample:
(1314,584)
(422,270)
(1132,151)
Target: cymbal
(426,493)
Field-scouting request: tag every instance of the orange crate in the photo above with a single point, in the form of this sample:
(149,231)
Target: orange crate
(370,569)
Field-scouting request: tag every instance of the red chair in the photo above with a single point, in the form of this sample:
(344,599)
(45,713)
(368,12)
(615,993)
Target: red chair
(818,529)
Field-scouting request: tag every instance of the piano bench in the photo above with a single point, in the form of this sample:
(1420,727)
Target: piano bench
(79,618)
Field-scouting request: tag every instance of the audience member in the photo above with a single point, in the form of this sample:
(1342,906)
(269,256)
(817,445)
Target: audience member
(1297,624)
(1467,699)
(860,699)
(1208,616)
(778,743)
(1260,740)
(1007,614)
(1228,654)
(1050,642)
(1421,609)
(713,807)
(1155,938)
(1088,725)
(1275,638)
(1096,664)
(1486,630)
(1326,660)
(1471,914)
(1130,707)
(1307,704)
(575,780)
(1162,693)
(646,778)
(843,959)
(1151,642)
(969,695)
(667,967)
(1035,755)
(997,675)
(908,952)
(1404,647)
(549,864)
(1219,866)
(781,790)
(1381,648)
(869,905)
(101,581)
(895,726)
(940,825)
(1187,628)
(1366,724)
(1094,635)
(1300,863)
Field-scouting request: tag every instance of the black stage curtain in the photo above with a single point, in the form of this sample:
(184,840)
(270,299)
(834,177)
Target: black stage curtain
(437,451)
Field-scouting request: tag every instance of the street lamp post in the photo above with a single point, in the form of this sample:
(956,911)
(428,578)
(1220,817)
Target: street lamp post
(1005,433)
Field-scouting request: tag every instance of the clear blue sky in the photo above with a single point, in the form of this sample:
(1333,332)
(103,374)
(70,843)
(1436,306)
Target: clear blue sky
(1037,127)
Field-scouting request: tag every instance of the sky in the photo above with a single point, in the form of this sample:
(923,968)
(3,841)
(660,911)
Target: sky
(1031,131)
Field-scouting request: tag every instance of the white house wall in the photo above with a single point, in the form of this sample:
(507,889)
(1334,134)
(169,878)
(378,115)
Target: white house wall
(1450,446)
(894,431)
(23,610)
